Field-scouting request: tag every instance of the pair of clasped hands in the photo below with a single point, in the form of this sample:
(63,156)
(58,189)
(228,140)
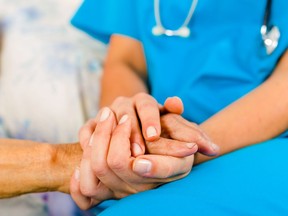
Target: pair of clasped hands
(133,146)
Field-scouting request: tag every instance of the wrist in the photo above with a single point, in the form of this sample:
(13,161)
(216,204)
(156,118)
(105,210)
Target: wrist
(64,159)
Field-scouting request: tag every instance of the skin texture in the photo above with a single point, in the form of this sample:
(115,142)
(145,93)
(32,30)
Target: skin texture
(238,125)
(98,171)
(29,167)
(117,172)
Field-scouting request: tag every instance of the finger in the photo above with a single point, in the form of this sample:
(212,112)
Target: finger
(119,157)
(82,201)
(205,145)
(148,112)
(173,105)
(88,181)
(100,148)
(171,147)
(182,130)
(162,168)
(86,132)
(90,186)
(123,106)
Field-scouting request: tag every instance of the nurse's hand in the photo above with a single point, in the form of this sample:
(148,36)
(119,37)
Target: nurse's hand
(108,169)
(144,110)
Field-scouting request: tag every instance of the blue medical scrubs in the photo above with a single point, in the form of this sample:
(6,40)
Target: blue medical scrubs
(222,60)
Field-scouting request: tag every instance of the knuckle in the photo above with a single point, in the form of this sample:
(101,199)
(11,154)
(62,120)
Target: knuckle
(100,171)
(116,164)
(169,119)
(145,105)
(119,100)
(86,191)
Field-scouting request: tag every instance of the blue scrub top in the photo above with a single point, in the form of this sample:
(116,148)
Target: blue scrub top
(223,59)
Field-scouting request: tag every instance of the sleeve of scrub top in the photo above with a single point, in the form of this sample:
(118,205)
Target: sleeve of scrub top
(101,18)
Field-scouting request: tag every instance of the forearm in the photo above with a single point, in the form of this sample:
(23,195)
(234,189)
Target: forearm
(258,116)
(124,70)
(120,79)
(27,167)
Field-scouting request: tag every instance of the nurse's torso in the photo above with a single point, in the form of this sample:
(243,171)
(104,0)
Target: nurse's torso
(222,59)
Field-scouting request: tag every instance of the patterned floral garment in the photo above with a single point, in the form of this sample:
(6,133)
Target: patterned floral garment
(49,83)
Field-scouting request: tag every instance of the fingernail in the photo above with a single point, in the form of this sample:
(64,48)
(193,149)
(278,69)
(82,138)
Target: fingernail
(151,131)
(190,145)
(91,140)
(142,166)
(77,174)
(123,119)
(215,147)
(136,149)
(105,114)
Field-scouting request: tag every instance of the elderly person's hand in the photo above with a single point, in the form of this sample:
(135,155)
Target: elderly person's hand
(108,170)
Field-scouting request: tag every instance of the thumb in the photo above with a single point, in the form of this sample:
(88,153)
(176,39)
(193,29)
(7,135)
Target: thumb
(173,105)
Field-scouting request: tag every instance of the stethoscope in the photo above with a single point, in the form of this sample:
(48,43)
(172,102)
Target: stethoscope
(270,34)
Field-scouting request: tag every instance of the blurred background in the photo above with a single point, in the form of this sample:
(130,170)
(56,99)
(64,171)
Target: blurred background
(49,85)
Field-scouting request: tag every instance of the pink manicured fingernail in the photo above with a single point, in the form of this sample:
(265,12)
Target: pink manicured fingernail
(77,174)
(142,166)
(123,119)
(136,149)
(105,114)
(151,131)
